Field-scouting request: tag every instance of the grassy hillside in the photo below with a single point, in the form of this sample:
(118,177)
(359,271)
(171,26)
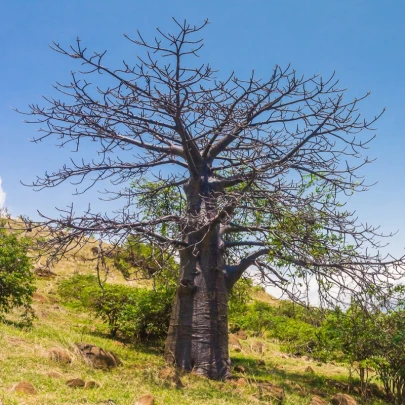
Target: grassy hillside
(261,371)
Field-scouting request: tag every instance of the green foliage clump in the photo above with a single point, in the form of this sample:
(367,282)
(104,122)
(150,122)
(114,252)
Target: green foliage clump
(286,322)
(16,279)
(132,314)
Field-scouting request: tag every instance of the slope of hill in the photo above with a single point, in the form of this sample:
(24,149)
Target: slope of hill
(262,373)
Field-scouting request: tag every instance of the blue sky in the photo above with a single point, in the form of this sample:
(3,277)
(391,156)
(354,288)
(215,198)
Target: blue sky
(363,41)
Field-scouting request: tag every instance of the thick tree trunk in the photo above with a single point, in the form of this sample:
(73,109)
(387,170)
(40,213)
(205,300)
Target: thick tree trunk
(198,334)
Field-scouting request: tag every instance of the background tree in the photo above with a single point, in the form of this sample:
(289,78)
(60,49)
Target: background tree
(16,280)
(261,168)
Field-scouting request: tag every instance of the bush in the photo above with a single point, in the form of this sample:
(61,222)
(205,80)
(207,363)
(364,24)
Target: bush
(262,319)
(132,314)
(16,279)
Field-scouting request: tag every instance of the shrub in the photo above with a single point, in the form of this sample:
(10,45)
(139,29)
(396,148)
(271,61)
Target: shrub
(262,319)
(132,314)
(389,354)
(16,279)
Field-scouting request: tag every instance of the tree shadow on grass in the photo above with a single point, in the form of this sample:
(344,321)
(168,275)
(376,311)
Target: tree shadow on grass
(290,381)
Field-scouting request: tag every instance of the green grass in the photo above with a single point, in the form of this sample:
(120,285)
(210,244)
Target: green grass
(24,356)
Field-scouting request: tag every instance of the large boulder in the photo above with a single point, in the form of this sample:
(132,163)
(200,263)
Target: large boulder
(98,357)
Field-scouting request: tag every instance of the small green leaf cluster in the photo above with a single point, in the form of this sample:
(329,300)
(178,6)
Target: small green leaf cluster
(16,278)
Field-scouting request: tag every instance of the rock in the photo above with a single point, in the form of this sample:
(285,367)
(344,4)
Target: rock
(91,385)
(257,347)
(43,272)
(241,334)
(39,298)
(320,393)
(241,382)
(309,370)
(52,300)
(75,383)
(170,375)
(271,392)
(233,340)
(25,387)
(146,399)
(60,356)
(239,369)
(260,363)
(317,401)
(54,374)
(343,399)
(97,357)
(236,349)
(300,390)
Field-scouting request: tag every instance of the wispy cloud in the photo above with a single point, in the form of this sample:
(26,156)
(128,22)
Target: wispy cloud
(2,195)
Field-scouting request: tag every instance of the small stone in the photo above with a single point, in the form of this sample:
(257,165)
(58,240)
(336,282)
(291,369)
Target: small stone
(75,383)
(300,390)
(309,370)
(146,399)
(271,392)
(239,369)
(257,347)
(98,357)
(91,385)
(241,382)
(39,298)
(25,387)
(170,375)
(343,399)
(54,374)
(233,340)
(317,401)
(60,356)
(260,363)
(320,393)
(241,334)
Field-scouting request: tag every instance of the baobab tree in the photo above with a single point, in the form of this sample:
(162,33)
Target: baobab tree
(228,174)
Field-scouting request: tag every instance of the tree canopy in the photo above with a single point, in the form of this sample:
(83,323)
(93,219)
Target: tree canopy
(230,173)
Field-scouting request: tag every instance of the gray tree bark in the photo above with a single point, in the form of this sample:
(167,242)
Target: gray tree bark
(198,334)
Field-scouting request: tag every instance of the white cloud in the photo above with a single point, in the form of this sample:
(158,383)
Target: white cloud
(2,195)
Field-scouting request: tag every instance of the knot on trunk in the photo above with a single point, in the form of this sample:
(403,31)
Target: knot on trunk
(186,287)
